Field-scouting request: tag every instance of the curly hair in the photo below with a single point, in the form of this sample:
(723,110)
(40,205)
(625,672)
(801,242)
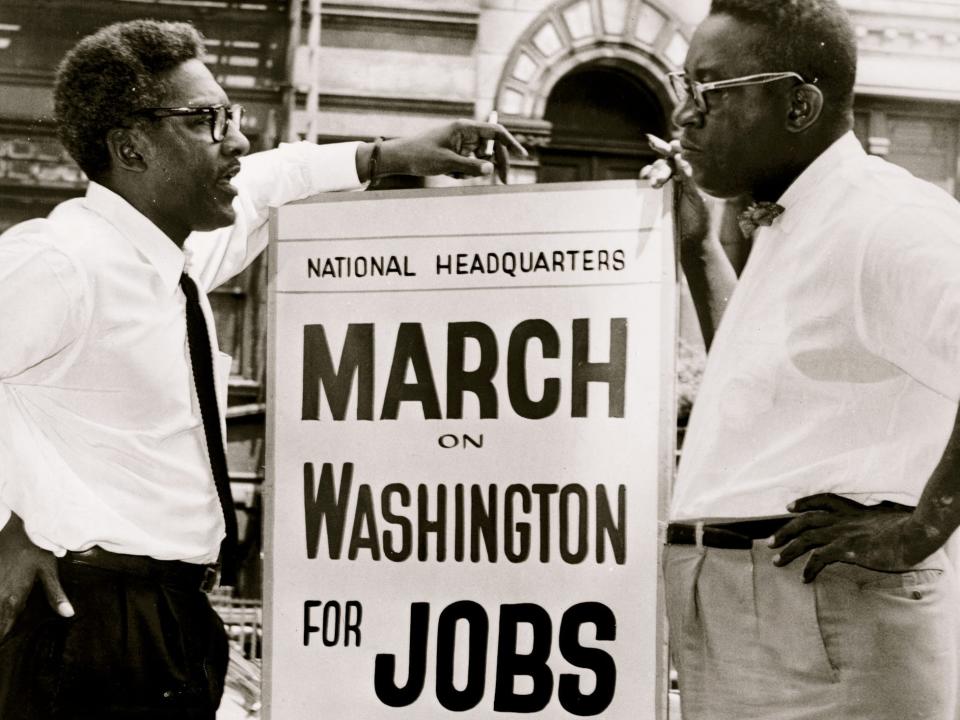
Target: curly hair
(107,75)
(813,38)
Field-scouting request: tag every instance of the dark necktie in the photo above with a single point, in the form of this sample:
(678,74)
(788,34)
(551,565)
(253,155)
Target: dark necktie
(201,359)
(758,214)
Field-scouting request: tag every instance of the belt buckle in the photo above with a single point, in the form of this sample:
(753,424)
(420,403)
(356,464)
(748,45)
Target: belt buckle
(211,578)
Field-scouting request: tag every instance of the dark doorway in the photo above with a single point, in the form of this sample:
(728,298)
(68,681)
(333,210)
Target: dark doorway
(599,116)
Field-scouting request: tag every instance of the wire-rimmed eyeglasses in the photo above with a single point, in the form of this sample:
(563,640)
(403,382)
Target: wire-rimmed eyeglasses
(685,88)
(219,116)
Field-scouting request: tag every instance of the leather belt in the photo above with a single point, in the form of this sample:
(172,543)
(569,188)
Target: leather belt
(737,535)
(173,573)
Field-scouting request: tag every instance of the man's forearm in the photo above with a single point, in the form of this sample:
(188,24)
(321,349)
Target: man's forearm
(938,510)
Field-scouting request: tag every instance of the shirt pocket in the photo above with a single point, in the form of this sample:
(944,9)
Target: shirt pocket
(906,583)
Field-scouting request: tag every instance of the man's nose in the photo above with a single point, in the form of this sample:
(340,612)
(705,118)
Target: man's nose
(687,114)
(235,143)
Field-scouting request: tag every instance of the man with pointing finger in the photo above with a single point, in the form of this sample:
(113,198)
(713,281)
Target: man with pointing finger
(830,392)
(115,507)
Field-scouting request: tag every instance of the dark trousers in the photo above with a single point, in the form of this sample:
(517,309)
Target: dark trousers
(135,649)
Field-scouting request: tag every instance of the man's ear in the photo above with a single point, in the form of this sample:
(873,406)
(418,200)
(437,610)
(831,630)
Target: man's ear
(129,149)
(806,104)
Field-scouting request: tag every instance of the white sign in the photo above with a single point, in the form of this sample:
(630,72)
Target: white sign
(469,440)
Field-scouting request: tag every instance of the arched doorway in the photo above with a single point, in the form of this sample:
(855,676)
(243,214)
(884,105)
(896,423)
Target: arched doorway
(585,81)
(599,115)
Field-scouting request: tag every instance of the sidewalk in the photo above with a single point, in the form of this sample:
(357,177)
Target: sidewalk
(241,697)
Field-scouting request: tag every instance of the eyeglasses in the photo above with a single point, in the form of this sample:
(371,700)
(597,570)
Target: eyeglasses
(685,88)
(219,116)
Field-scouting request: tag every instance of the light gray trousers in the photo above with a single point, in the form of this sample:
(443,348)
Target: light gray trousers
(751,641)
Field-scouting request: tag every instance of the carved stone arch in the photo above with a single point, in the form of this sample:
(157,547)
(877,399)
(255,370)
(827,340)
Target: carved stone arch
(644,36)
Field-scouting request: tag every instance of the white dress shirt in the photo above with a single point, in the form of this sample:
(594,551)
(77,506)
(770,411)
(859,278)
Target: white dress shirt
(101,440)
(836,367)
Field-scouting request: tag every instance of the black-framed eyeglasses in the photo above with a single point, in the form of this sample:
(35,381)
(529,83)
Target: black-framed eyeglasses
(686,89)
(219,116)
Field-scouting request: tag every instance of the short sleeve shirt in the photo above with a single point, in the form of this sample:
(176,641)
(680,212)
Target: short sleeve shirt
(836,367)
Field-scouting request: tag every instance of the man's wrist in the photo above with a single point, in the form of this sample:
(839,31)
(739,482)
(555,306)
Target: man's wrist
(364,150)
(374,170)
(921,537)
(390,159)
(13,533)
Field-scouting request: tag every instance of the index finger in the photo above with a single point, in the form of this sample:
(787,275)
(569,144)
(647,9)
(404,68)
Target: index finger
(818,560)
(831,502)
(801,524)
(50,579)
(499,133)
(659,145)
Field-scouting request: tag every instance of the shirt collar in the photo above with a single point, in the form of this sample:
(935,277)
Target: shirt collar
(151,242)
(843,151)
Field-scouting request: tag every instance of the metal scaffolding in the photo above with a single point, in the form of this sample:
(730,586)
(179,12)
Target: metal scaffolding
(303,70)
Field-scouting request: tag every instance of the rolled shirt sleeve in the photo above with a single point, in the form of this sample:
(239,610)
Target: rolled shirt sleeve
(42,301)
(292,171)
(907,302)
(44,309)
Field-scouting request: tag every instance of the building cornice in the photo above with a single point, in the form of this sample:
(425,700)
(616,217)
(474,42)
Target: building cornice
(420,106)
(411,20)
(931,9)
(908,39)
(917,28)
(29,78)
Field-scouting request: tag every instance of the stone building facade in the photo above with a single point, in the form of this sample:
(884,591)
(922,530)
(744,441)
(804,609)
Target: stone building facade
(578,81)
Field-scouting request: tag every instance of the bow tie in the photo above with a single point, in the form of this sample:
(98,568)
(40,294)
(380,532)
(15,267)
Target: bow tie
(757,214)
